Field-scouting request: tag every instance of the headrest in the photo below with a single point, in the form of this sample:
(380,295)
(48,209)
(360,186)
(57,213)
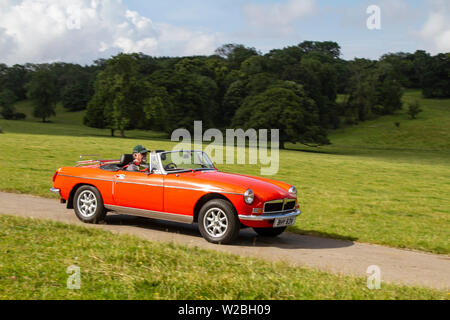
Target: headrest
(125,159)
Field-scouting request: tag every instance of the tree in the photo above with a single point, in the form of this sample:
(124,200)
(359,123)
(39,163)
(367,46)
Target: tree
(402,67)
(289,110)
(389,89)
(320,83)
(192,97)
(15,79)
(3,68)
(158,109)
(254,65)
(414,109)
(95,113)
(436,79)
(42,91)
(258,83)
(373,90)
(280,60)
(233,100)
(389,96)
(362,92)
(328,48)
(75,97)
(74,84)
(7,99)
(119,92)
(236,54)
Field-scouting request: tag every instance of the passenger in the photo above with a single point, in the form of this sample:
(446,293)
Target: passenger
(139,155)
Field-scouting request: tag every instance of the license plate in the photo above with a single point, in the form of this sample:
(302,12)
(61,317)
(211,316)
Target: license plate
(284,222)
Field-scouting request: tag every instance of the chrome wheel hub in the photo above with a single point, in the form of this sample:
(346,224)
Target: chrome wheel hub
(87,203)
(215,222)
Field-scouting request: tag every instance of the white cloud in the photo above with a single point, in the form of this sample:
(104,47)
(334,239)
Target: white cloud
(190,43)
(7,43)
(278,16)
(83,30)
(435,32)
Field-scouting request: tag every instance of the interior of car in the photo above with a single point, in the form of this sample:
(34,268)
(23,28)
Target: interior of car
(124,160)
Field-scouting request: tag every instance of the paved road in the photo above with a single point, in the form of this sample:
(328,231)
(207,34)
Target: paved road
(347,257)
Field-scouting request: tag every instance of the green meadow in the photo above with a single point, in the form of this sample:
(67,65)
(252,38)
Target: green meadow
(377,182)
(36,255)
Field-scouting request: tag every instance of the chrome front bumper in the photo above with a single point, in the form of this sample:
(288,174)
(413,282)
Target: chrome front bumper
(53,190)
(265,217)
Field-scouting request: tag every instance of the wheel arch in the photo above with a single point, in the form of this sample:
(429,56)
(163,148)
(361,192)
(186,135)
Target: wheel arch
(73,191)
(207,197)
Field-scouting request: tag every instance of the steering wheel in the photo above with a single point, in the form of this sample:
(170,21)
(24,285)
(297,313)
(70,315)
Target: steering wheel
(170,166)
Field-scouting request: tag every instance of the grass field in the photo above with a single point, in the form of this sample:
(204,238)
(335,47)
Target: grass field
(35,256)
(376,183)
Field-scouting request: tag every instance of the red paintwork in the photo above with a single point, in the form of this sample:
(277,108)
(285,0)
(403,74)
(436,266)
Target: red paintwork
(172,193)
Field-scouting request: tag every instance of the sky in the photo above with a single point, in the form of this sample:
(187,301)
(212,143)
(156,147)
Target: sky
(81,31)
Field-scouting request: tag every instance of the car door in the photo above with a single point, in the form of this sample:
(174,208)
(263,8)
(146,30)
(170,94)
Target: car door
(181,193)
(138,190)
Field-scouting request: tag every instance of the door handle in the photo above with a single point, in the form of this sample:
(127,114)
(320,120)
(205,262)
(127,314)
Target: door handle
(120,176)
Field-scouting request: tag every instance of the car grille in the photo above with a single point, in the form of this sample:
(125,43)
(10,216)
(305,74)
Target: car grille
(279,206)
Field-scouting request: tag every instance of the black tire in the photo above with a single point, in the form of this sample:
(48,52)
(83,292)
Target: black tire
(226,215)
(89,214)
(269,232)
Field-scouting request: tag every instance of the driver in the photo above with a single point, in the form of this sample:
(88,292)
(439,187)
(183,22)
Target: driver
(139,155)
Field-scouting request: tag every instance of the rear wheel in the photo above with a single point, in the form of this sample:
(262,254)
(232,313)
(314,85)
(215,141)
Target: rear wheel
(269,232)
(218,222)
(88,205)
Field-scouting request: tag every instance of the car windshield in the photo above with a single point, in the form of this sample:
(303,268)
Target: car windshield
(186,160)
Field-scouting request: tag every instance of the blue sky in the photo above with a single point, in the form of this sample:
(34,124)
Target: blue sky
(83,30)
(340,21)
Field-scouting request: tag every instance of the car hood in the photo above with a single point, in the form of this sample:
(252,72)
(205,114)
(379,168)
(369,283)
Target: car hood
(265,189)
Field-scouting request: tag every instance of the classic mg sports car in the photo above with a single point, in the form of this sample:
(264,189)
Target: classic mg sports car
(181,186)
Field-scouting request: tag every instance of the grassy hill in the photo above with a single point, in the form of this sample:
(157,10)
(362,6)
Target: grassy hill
(429,134)
(376,183)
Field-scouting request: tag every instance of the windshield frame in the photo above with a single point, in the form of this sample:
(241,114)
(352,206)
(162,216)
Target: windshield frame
(164,171)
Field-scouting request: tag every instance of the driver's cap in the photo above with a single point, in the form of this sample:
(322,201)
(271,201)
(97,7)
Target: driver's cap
(140,149)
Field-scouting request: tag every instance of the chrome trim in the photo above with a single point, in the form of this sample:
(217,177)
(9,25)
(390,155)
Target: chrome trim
(204,190)
(283,201)
(269,217)
(65,175)
(152,214)
(152,185)
(275,201)
(54,190)
(90,155)
(277,212)
(141,184)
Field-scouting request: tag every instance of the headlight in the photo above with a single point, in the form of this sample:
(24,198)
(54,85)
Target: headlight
(293,191)
(249,196)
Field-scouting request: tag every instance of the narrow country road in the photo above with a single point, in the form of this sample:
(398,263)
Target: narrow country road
(346,257)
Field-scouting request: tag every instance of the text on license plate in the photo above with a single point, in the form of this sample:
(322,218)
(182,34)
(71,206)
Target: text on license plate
(284,222)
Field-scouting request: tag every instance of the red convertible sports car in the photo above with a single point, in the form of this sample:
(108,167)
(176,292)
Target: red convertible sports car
(192,190)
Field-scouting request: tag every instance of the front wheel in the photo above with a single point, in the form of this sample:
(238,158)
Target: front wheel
(269,232)
(88,205)
(218,222)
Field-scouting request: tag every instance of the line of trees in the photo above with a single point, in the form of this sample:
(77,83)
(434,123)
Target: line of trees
(45,85)
(294,89)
